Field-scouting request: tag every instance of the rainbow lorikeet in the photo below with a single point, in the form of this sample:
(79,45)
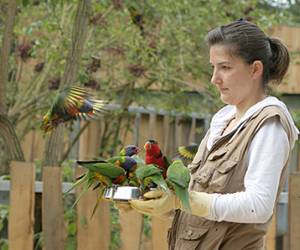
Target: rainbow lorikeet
(178,179)
(128,163)
(148,175)
(101,174)
(129,150)
(70,104)
(188,153)
(155,156)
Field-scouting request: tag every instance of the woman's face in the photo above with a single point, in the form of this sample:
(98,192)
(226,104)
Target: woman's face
(231,75)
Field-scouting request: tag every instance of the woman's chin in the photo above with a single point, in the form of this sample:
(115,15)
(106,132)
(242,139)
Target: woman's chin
(225,99)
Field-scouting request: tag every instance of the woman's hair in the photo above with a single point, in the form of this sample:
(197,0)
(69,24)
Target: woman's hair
(248,41)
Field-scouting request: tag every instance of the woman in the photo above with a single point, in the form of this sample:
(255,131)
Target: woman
(240,165)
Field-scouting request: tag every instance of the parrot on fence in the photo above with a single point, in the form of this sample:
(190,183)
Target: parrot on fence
(155,156)
(70,104)
(178,178)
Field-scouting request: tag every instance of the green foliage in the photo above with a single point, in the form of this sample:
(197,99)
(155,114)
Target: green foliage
(115,242)
(3,225)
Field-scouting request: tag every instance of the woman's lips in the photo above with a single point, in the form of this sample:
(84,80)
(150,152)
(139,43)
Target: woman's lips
(223,89)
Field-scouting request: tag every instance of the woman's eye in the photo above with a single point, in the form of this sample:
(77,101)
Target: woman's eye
(225,67)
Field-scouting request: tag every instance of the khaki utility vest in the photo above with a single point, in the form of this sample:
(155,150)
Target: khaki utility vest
(222,170)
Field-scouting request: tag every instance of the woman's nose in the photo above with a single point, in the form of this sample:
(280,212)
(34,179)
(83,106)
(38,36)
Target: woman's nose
(215,78)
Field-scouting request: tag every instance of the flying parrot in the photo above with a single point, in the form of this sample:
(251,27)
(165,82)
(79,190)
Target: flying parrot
(178,178)
(70,104)
(187,153)
(148,175)
(155,156)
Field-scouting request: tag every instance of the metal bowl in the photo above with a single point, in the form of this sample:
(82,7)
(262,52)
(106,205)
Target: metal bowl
(122,193)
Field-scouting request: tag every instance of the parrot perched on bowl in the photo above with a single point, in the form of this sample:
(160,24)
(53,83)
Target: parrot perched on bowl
(178,179)
(101,174)
(148,175)
(70,104)
(155,156)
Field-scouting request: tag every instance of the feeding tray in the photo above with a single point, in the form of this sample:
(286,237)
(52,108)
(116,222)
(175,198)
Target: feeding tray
(122,193)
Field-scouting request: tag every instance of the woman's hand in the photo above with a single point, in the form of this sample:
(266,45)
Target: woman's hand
(158,203)
(161,203)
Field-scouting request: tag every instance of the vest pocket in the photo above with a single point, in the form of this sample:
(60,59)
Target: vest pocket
(190,237)
(222,175)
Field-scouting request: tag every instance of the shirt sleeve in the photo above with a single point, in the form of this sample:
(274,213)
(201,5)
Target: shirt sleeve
(267,155)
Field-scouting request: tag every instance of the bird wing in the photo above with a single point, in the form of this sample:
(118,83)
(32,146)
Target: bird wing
(82,105)
(188,152)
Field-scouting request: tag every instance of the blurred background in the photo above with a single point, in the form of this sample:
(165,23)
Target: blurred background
(148,59)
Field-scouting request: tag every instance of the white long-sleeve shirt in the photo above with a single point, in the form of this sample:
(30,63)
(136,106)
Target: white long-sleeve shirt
(266,156)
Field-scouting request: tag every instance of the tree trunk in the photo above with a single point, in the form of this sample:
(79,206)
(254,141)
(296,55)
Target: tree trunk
(7,132)
(54,148)
(5,49)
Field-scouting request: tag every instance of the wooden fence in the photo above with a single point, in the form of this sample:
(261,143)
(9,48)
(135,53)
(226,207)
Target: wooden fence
(92,234)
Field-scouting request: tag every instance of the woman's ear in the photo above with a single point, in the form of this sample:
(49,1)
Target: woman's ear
(257,69)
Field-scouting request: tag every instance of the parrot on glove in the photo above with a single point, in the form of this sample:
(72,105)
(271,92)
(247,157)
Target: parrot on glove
(72,103)
(178,179)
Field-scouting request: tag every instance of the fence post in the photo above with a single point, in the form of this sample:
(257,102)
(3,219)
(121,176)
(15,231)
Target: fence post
(131,230)
(52,209)
(21,210)
(93,233)
(294,211)
(270,240)
(159,227)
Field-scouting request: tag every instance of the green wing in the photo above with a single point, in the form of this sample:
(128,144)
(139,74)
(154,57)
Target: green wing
(178,174)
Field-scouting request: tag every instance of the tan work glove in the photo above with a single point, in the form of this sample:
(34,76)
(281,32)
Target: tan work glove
(162,202)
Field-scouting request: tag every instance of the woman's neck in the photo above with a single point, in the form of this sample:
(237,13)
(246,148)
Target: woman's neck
(242,107)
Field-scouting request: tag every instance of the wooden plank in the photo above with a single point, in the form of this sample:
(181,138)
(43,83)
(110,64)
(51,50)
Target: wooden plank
(166,135)
(159,227)
(270,239)
(131,222)
(152,132)
(178,133)
(92,233)
(294,211)
(291,37)
(136,133)
(21,209)
(159,233)
(297,147)
(52,209)
(192,135)
(131,229)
